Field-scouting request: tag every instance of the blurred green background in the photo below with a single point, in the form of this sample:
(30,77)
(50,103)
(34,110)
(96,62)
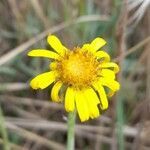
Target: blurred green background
(28,120)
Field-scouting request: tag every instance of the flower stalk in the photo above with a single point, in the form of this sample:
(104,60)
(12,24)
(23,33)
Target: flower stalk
(71,130)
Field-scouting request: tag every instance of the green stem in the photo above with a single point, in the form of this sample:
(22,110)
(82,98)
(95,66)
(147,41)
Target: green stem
(71,127)
(3,131)
(120,122)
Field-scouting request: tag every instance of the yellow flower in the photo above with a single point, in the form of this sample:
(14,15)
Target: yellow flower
(82,72)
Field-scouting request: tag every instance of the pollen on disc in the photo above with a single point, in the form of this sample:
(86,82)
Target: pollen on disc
(78,68)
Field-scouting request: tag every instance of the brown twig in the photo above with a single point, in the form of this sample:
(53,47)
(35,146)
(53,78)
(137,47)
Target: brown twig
(13,146)
(13,86)
(23,47)
(39,12)
(30,101)
(55,126)
(134,48)
(34,137)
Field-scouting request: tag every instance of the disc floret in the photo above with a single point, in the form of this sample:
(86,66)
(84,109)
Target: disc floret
(78,68)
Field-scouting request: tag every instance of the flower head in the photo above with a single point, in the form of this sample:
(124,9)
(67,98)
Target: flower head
(84,72)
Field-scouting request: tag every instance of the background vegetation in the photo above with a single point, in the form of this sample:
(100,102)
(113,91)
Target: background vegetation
(28,120)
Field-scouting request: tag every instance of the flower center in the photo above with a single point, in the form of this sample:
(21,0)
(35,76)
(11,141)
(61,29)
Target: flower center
(78,68)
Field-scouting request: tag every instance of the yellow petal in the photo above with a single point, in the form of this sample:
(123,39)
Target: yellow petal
(97,43)
(92,102)
(92,95)
(53,65)
(86,47)
(110,65)
(102,55)
(43,53)
(106,73)
(102,95)
(81,105)
(56,44)
(43,80)
(55,91)
(70,99)
(112,84)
